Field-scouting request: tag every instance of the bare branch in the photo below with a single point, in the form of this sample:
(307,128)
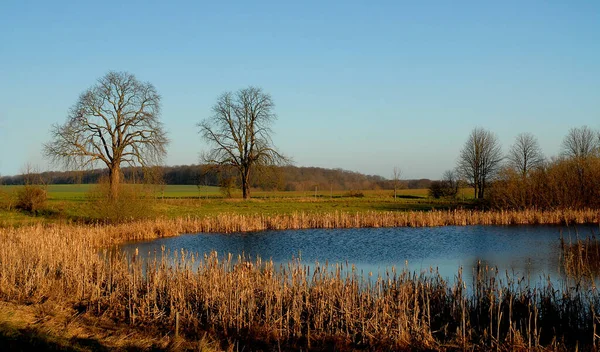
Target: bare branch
(581,143)
(480,159)
(239,133)
(525,154)
(115,121)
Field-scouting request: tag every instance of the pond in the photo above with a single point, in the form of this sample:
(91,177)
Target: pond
(532,252)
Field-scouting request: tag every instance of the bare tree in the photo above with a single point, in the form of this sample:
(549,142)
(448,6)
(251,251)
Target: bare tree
(525,154)
(115,121)
(580,143)
(448,186)
(480,159)
(396,176)
(239,132)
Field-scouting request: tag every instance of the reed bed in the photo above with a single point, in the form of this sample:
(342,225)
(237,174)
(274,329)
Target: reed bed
(229,223)
(581,258)
(261,306)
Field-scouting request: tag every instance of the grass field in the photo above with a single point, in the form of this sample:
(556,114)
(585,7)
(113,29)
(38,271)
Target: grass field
(172,201)
(57,292)
(80,191)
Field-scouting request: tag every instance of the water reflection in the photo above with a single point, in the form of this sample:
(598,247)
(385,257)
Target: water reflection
(531,252)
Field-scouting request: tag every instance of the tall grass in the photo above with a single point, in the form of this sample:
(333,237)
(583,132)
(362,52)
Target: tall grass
(289,307)
(581,258)
(229,222)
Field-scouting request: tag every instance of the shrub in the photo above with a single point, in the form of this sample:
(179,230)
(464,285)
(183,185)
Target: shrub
(562,183)
(442,189)
(31,198)
(133,203)
(354,194)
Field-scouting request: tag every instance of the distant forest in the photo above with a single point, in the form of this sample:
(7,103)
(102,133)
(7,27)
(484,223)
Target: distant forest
(282,178)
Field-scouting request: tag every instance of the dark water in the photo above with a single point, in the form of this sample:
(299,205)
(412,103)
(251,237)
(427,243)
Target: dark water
(532,252)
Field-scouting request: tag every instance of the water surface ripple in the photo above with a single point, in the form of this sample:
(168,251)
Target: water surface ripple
(529,251)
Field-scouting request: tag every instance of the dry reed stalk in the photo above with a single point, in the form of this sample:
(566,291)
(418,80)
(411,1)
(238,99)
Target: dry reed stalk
(293,305)
(227,223)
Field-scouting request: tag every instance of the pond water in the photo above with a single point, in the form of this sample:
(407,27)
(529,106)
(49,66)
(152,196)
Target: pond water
(532,252)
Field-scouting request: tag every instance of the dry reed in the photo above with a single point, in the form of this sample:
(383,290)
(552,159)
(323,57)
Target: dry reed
(228,223)
(581,258)
(294,306)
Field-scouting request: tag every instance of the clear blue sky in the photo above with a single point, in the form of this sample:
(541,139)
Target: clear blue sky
(363,86)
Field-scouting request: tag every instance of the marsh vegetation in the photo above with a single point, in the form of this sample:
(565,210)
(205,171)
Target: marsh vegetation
(254,303)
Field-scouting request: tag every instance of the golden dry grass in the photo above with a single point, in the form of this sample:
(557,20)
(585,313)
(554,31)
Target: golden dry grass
(228,223)
(581,258)
(257,305)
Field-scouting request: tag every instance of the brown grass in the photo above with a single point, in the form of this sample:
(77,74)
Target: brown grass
(260,306)
(228,223)
(581,258)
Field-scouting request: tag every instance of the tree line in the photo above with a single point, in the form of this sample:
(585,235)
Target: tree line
(524,178)
(116,124)
(279,178)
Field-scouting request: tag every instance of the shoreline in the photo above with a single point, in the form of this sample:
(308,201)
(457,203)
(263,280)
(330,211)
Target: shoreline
(233,302)
(235,223)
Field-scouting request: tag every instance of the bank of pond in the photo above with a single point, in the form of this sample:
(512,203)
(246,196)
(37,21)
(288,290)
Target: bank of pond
(433,287)
(398,288)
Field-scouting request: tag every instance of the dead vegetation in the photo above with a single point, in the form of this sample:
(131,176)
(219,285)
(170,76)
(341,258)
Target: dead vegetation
(581,258)
(254,304)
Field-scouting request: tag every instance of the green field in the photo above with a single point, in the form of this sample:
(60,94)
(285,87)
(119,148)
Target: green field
(76,202)
(81,191)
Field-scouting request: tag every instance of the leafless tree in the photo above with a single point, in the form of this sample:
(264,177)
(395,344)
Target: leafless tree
(448,187)
(114,122)
(239,132)
(480,159)
(396,176)
(581,143)
(525,154)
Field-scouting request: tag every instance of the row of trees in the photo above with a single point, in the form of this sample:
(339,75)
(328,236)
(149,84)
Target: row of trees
(116,122)
(524,177)
(288,178)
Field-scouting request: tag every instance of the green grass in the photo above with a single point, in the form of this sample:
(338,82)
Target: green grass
(73,202)
(80,191)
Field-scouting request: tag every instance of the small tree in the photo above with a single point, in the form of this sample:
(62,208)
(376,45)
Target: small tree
(115,121)
(239,132)
(448,187)
(396,176)
(32,196)
(480,159)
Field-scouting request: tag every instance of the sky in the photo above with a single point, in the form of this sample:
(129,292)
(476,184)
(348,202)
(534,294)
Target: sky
(359,85)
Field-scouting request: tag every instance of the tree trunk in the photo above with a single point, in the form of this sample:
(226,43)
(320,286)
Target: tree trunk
(246,184)
(481,190)
(114,181)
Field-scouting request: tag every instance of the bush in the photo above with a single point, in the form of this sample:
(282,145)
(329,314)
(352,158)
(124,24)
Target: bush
(564,183)
(31,198)
(442,189)
(134,202)
(354,194)
(7,200)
